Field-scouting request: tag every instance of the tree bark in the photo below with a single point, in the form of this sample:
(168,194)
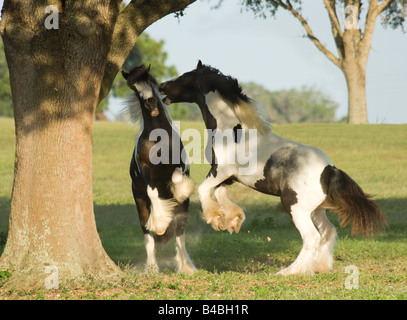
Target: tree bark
(356,83)
(56,77)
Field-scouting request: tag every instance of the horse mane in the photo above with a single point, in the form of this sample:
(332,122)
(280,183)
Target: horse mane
(249,113)
(132,108)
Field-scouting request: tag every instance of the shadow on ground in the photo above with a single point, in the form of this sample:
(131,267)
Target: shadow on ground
(267,238)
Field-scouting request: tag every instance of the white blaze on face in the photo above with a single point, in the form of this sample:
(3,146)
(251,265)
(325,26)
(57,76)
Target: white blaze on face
(144,89)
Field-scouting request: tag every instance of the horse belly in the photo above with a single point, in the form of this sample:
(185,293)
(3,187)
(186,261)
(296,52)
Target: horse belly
(259,182)
(292,167)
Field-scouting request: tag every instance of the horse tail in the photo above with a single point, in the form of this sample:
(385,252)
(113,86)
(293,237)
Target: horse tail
(347,199)
(181,186)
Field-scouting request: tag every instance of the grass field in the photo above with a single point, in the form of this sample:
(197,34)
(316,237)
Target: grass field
(240,266)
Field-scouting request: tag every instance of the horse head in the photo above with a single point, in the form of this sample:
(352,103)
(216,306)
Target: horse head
(144,86)
(188,87)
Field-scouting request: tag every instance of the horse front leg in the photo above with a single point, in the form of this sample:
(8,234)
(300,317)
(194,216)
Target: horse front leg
(212,212)
(234,215)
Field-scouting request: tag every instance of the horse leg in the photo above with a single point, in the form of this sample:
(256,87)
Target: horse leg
(212,212)
(149,242)
(324,256)
(151,264)
(304,263)
(234,215)
(143,204)
(184,262)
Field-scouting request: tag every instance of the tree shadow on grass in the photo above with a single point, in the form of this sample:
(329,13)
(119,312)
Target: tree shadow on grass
(4,217)
(395,211)
(253,249)
(267,238)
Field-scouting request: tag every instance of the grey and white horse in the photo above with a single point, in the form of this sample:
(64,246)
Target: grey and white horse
(302,176)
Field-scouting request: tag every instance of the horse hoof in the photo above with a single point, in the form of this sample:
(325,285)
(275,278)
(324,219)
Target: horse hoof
(293,272)
(236,225)
(217,222)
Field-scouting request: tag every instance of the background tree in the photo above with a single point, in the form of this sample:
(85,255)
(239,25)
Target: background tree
(306,104)
(61,66)
(150,52)
(145,51)
(352,37)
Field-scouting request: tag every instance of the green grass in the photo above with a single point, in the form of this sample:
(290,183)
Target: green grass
(240,266)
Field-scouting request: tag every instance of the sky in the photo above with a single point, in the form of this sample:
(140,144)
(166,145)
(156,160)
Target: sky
(273,52)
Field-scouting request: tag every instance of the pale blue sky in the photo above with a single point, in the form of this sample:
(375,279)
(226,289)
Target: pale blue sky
(274,53)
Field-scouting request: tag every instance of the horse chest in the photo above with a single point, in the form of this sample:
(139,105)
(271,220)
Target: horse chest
(144,146)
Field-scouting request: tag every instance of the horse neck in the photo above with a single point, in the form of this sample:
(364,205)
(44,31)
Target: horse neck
(216,112)
(159,121)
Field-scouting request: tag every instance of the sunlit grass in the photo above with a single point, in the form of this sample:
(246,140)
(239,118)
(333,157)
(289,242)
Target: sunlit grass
(241,266)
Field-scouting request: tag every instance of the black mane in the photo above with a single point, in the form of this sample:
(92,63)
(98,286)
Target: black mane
(227,86)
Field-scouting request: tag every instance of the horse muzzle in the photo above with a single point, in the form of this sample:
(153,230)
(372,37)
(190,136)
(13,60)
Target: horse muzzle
(161,89)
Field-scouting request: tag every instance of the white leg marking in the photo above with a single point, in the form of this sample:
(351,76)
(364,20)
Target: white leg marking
(234,215)
(151,265)
(213,213)
(184,262)
(161,213)
(325,252)
(304,264)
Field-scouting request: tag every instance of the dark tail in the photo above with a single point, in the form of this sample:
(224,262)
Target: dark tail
(346,197)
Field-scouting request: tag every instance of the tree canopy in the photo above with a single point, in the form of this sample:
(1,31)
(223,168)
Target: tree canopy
(146,51)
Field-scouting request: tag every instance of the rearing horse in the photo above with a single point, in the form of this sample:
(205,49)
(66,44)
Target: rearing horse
(302,176)
(161,189)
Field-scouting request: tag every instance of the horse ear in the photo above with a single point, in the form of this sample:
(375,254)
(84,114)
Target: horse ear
(199,64)
(125,74)
(144,73)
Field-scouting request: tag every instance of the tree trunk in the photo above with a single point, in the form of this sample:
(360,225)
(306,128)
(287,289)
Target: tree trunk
(58,74)
(51,219)
(356,83)
(55,77)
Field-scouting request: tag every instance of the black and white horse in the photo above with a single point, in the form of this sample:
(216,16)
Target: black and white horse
(161,189)
(302,176)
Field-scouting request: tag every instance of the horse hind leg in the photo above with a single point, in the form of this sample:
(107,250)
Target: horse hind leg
(143,207)
(184,262)
(234,215)
(324,255)
(304,263)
